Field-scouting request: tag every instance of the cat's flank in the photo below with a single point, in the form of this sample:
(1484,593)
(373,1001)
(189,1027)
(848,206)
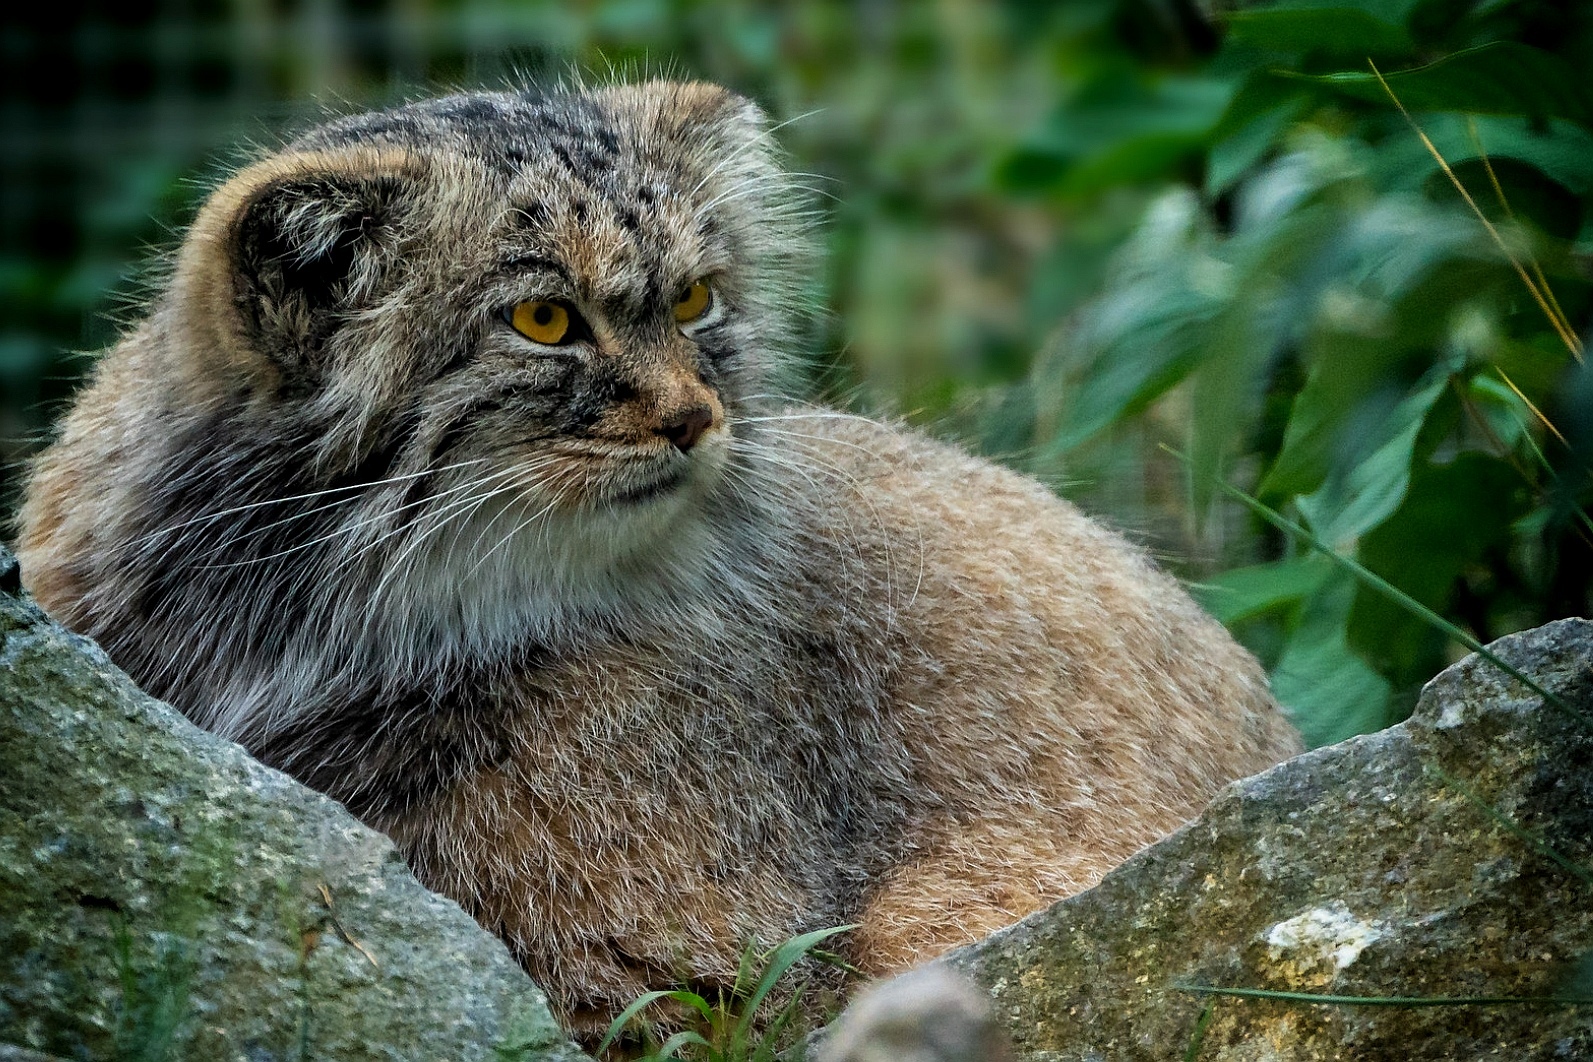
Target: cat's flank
(451,474)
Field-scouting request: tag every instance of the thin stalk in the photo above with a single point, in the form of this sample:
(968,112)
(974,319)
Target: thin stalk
(1532,840)
(1197,1038)
(1369,578)
(1536,412)
(1504,204)
(1323,999)
(1572,343)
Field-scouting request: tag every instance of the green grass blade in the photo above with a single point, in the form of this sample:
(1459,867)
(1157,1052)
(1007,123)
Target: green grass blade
(788,955)
(641,1003)
(1531,839)
(1197,1038)
(782,959)
(830,958)
(672,1045)
(1543,462)
(694,1001)
(1371,579)
(765,1051)
(744,970)
(1323,999)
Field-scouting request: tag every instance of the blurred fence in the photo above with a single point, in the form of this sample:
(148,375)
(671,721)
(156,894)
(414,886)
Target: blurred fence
(115,116)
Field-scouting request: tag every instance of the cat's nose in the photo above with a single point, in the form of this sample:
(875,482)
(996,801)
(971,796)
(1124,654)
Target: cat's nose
(684,428)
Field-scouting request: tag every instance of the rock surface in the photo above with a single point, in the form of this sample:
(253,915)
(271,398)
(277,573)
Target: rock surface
(164,896)
(1450,856)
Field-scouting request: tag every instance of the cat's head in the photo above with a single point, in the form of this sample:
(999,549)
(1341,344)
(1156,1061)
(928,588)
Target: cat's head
(595,279)
(526,337)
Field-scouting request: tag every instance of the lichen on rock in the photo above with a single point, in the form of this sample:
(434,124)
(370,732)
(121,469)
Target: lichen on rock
(163,895)
(1313,946)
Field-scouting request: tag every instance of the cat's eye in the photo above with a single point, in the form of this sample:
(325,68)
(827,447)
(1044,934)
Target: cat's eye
(541,321)
(694,302)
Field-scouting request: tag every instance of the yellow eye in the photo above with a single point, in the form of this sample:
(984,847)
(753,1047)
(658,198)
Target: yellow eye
(541,321)
(693,302)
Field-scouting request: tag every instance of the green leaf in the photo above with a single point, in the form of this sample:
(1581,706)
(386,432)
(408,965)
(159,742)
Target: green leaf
(1227,380)
(616,1028)
(1499,78)
(1454,516)
(1240,148)
(1121,129)
(1502,411)
(1561,150)
(788,955)
(1156,350)
(1346,507)
(1330,692)
(1275,257)
(670,1047)
(1379,296)
(1342,31)
(1245,593)
(1366,577)
(1144,334)
(781,960)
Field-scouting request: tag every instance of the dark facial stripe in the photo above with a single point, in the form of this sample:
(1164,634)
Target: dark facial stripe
(527,263)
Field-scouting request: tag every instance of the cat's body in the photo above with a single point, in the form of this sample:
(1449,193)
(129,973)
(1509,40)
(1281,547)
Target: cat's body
(634,659)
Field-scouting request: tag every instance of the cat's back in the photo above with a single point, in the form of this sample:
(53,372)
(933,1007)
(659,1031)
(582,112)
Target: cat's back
(986,571)
(1061,700)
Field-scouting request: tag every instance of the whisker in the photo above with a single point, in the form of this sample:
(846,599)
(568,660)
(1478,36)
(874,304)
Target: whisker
(800,464)
(459,510)
(437,517)
(809,441)
(558,497)
(332,505)
(331,535)
(224,513)
(755,183)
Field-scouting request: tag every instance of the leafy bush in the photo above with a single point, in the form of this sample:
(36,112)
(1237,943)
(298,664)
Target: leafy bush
(1308,307)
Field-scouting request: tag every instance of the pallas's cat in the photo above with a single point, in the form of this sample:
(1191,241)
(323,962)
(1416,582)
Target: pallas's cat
(451,473)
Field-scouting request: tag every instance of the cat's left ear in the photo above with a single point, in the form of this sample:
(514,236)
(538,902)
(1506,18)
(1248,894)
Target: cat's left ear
(286,251)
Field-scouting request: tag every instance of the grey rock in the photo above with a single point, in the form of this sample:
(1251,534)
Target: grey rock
(164,896)
(1450,856)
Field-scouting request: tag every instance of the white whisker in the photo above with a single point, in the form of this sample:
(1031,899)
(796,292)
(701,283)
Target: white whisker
(337,533)
(353,487)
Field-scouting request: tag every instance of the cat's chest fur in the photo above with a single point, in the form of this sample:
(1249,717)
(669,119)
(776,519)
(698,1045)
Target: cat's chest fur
(720,737)
(663,804)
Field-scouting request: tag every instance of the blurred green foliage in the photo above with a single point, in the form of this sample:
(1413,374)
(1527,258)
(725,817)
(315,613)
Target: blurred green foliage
(1074,235)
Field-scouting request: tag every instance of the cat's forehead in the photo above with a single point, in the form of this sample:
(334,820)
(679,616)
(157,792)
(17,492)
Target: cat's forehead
(611,185)
(665,128)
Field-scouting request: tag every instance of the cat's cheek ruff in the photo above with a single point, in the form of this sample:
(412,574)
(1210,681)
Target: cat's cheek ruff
(596,570)
(520,569)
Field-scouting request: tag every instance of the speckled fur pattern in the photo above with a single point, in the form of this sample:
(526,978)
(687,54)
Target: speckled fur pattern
(632,706)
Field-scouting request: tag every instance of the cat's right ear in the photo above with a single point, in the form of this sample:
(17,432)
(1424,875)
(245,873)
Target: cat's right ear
(285,252)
